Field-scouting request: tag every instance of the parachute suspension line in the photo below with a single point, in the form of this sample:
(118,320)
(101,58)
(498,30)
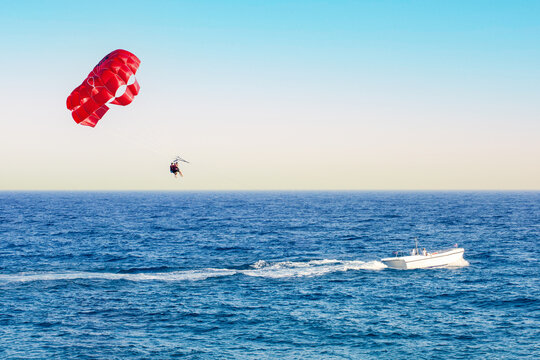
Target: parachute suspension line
(166,151)
(179,159)
(139,142)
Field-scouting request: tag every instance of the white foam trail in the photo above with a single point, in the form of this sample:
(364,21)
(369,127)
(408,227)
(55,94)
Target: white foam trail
(310,268)
(259,269)
(460,263)
(193,275)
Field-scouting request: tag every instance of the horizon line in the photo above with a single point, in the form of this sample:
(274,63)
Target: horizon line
(268,190)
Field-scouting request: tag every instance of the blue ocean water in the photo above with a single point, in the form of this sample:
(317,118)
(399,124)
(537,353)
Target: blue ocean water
(263,275)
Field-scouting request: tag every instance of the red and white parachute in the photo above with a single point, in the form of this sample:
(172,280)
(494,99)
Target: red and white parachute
(111,82)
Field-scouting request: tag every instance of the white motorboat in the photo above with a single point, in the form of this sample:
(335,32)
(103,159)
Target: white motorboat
(423,259)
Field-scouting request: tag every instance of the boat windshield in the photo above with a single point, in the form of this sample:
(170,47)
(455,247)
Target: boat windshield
(400,253)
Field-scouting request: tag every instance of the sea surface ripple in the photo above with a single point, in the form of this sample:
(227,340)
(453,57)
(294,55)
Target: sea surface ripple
(262,275)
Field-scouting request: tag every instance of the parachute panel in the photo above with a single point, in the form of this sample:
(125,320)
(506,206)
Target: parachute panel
(111,81)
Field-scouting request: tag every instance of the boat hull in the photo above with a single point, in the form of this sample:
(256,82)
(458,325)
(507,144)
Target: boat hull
(436,259)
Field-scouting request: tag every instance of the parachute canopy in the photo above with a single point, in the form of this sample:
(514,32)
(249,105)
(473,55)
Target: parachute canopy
(112,81)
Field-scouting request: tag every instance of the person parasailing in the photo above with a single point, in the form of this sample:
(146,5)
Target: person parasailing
(174,168)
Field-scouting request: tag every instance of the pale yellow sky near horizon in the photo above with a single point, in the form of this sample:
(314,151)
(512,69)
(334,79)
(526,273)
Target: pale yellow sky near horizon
(274,143)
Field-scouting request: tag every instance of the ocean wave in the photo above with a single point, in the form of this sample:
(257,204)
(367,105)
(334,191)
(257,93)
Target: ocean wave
(284,269)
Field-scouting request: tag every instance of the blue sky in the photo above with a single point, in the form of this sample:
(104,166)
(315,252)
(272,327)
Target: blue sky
(278,95)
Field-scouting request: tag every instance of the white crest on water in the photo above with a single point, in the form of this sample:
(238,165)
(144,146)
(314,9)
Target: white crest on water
(261,268)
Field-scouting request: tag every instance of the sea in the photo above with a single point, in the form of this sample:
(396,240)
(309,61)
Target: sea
(267,275)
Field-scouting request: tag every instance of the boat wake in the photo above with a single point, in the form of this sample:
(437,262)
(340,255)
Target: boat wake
(277,270)
(310,268)
(460,263)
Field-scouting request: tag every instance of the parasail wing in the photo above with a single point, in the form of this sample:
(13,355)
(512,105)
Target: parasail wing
(112,81)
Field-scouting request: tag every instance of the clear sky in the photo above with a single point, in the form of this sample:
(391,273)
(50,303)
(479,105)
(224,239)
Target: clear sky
(299,95)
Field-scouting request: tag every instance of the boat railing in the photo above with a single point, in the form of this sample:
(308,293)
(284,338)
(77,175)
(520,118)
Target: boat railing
(445,250)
